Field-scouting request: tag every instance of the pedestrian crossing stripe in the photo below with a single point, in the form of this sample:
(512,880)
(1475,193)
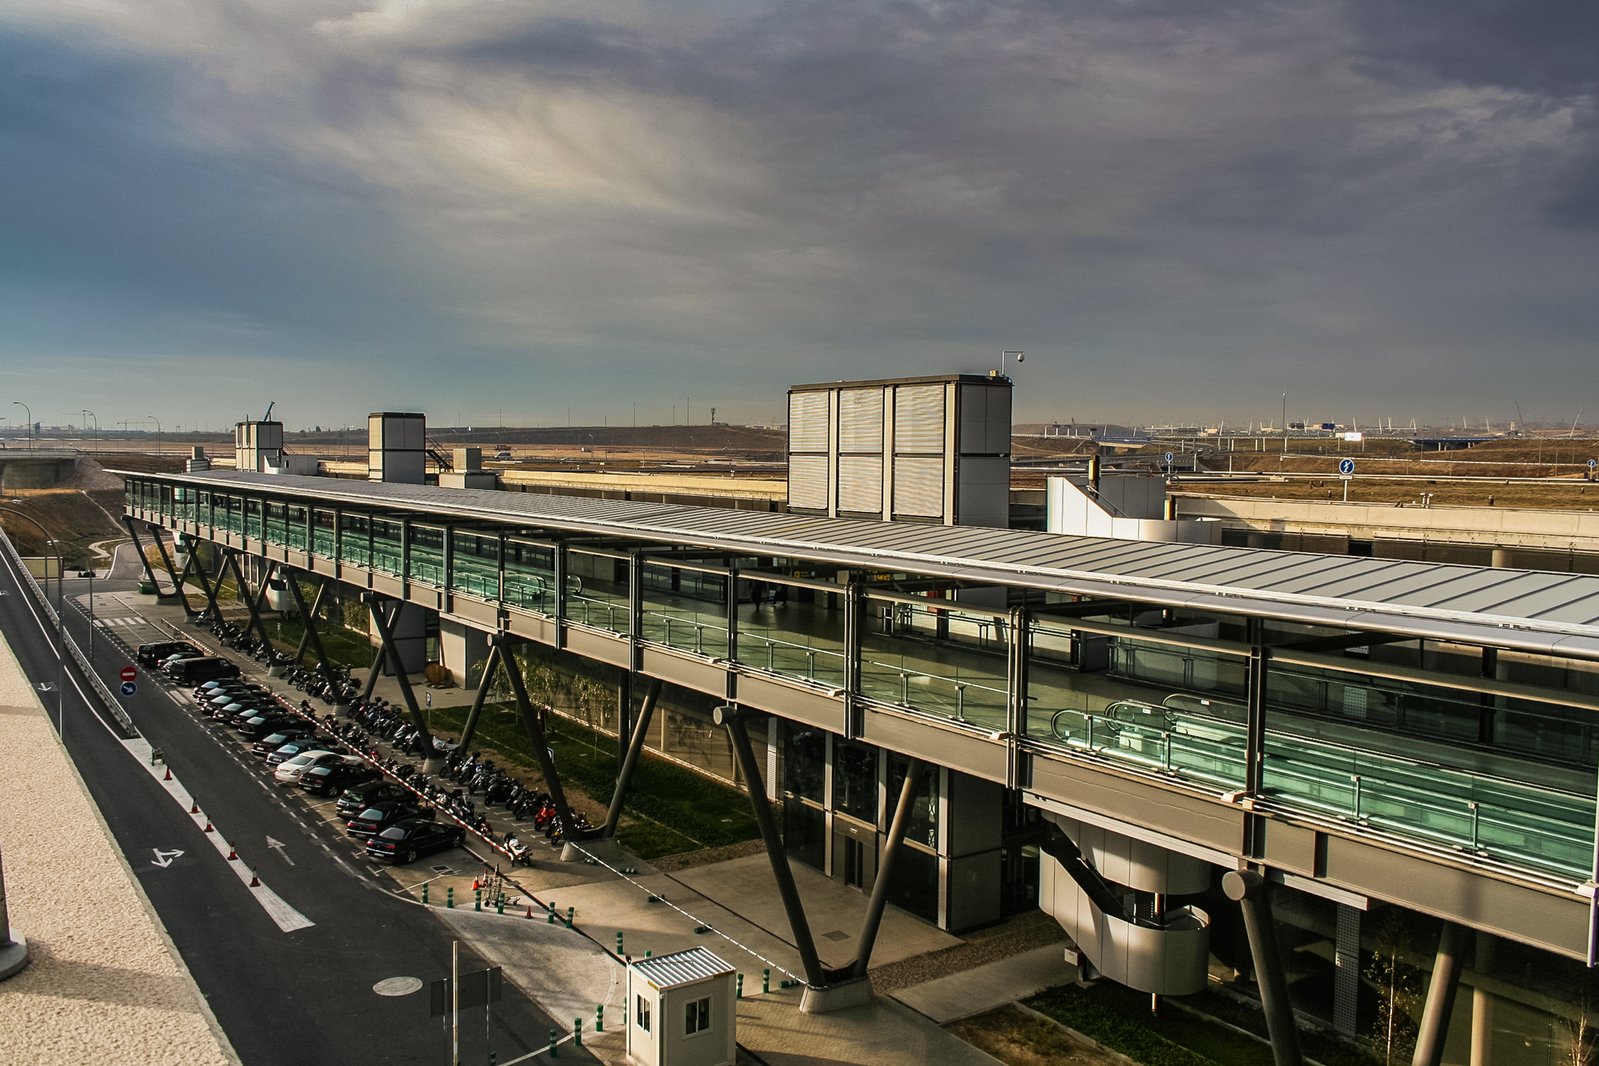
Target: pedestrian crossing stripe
(122,621)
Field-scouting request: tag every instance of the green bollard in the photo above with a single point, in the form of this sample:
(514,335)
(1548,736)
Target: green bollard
(618,943)
(740,984)
(477,904)
(766,980)
(424,893)
(648,952)
(549,917)
(599,1018)
(570,912)
(555,1049)
(493,1058)
(577,1031)
(499,904)
(449,896)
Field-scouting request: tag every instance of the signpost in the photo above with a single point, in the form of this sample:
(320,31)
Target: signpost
(129,688)
(1346,471)
(129,673)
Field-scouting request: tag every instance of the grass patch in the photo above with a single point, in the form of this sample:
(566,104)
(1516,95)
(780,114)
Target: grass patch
(672,809)
(1119,1018)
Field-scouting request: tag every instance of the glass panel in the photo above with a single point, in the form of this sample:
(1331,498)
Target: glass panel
(353,540)
(922,826)
(855,779)
(804,761)
(323,533)
(252,519)
(296,527)
(1178,711)
(424,559)
(275,525)
(387,547)
(684,609)
(804,832)
(792,630)
(1405,758)
(530,576)
(596,591)
(940,660)
(475,565)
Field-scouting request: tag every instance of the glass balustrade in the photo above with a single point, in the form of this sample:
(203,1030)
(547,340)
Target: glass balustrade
(530,576)
(475,565)
(684,608)
(792,629)
(424,557)
(387,548)
(946,661)
(597,590)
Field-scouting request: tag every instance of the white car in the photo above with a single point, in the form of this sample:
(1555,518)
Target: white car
(289,770)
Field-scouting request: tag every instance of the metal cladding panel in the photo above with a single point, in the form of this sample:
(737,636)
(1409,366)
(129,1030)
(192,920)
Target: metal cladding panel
(807,481)
(1371,594)
(919,419)
(807,422)
(984,420)
(918,487)
(860,420)
(860,484)
(681,968)
(975,753)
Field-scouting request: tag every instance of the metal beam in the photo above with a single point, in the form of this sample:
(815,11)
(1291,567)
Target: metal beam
(385,625)
(483,685)
(311,634)
(1248,889)
(166,560)
(1440,996)
(198,566)
(253,600)
(533,719)
(635,745)
(138,549)
(731,718)
(885,866)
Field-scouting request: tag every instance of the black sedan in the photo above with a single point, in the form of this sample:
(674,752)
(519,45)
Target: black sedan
(379,816)
(267,745)
(406,839)
(358,798)
(149,655)
(334,777)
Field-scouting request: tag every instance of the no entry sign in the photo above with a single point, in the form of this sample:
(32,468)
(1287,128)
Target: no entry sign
(130,673)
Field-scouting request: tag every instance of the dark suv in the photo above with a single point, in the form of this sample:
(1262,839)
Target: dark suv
(358,798)
(148,655)
(334,777)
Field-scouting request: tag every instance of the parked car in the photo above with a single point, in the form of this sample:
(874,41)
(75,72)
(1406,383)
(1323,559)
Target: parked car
(410,837)
(383,814)
(272,742)
(289,770)
(357,798)
(333,778)
(148,655)
(266,725)
(204,668)
(295,748)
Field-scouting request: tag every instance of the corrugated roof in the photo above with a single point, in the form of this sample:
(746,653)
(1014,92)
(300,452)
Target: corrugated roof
(681,968)
(1510,608)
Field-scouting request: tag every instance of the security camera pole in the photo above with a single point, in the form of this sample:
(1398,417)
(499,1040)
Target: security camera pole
(1009,352)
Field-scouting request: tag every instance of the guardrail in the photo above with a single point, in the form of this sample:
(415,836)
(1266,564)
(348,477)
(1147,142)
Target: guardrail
(112,704)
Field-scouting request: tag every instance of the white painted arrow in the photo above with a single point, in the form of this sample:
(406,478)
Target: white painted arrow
(278,846)
(164,859)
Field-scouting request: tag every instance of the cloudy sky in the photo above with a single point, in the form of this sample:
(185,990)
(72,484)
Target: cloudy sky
(512,209)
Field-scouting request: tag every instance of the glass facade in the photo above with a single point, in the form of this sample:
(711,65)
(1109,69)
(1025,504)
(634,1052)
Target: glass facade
(946,661)
(684,607)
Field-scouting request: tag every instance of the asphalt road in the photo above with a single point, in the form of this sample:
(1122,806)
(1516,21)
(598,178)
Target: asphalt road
(304,996)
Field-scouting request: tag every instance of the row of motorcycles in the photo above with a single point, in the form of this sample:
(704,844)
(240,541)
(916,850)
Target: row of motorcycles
(239,637)
(335,687)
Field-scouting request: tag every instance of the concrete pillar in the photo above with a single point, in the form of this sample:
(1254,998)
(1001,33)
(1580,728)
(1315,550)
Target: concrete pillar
(462,649)
(1482,1004)
(410,639)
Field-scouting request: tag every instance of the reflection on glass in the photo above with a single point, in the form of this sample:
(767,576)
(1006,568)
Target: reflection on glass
(939,660)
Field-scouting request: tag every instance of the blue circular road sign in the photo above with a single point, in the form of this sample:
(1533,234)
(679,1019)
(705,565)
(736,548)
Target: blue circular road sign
(1170,457)
(1346,466)
(129,687)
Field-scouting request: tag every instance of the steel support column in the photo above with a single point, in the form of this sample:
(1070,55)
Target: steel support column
(172,571)
(138,548)
(484,683)
(196,564)
(731,718)
(253,600)
(1248,889)
(384,624)
(885,865)
(533,719)
(311,635)
(1440,996)
(635,745)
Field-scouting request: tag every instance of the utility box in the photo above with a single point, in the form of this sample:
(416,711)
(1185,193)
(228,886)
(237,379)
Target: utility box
(682,1010)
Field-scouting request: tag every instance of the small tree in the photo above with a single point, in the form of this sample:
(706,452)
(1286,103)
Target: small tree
(1398,990)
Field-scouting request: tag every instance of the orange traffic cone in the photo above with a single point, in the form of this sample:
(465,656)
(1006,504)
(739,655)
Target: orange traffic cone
(208,828)
(255,882)
(530,910)
(169,774)
(232,854)
(194,808)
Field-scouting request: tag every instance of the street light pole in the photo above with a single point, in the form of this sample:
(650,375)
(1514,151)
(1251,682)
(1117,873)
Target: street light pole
(29,412)
(157,422)
(96,418)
